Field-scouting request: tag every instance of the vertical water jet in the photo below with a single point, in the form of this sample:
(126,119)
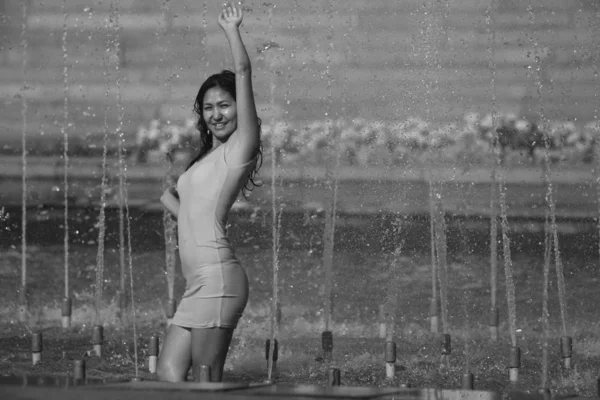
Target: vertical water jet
(275,214)
(331,181)
(122,294)
(65,134)
(433,303)
(99,286)
(493,317)
(550,200)
(22,291)
(545,296)
(169,225)
(123,192)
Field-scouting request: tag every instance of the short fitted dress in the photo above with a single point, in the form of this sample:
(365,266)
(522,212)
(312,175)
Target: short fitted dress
(216,290)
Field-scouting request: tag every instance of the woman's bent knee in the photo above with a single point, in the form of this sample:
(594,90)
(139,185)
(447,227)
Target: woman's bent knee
(165,373)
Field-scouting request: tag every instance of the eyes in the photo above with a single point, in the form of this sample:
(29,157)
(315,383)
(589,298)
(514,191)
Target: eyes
(222,106)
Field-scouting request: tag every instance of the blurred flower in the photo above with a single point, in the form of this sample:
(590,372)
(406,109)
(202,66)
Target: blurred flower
(363,141)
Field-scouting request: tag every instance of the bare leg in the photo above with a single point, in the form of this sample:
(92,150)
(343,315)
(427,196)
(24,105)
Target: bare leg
(210,347)
(175,358)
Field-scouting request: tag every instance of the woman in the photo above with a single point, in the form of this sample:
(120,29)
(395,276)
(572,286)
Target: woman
(216,284)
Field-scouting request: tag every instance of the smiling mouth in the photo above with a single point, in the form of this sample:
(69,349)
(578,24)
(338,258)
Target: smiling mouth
(219,125)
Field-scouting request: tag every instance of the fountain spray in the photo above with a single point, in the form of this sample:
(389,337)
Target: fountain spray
(66,309)
(121,296)
(515,352)
(439,268)
(493,316)
(272,345)
(545,313)
(169,224)
(566,341)
(428,39)
(441,250)
(123,186)
(391,303)
(433,305)
(22,291)
(330,213)
(104,181)
(499,180)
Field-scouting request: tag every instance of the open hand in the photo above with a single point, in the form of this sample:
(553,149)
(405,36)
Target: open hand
(230,17)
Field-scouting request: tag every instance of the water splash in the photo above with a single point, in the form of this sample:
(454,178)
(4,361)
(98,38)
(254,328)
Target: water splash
(545,313)
(434,260)
(169,231)
(390,303)
(104,182)
(114,15)
(506,252)
(424,44)
(24,106)
(332,184)
(427,48)
(169,225)
(275,216)
(204,33)
(441,250)
(550,201)
(489,18)
(123,184)
(500,172)
(65,135)
(162,37)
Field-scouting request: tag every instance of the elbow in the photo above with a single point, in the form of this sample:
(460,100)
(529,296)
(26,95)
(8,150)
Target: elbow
(243,69)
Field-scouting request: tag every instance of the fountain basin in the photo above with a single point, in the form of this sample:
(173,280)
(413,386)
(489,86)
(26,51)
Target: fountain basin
(49,388)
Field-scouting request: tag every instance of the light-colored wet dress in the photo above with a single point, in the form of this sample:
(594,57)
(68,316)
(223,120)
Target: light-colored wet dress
(216,284)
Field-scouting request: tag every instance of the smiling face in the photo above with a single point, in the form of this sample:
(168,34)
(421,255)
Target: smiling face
(219,111)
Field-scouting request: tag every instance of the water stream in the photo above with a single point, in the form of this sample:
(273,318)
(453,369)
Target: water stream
(114,11)
(65,134)
(24,107)
(550,201)
(275,219)
(441,250)
(123,201)
(545,298)
(489,18)
(508,265)
(169,223)
(427,46)
(331,182)
(99,286)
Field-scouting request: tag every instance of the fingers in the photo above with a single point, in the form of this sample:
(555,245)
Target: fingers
(230,11)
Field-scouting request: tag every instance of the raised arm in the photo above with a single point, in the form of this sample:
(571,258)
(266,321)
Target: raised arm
(245,141)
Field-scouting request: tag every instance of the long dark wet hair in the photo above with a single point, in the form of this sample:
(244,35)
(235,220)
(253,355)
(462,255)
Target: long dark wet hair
(226,81)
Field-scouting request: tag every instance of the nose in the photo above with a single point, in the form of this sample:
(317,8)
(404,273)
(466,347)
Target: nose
(216,114)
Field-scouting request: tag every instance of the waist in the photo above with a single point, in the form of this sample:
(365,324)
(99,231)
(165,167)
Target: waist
(207,253)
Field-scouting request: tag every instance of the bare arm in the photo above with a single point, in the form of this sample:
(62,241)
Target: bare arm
(245,141)
(170,199)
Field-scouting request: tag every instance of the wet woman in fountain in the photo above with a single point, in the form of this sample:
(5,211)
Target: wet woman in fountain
(216,284)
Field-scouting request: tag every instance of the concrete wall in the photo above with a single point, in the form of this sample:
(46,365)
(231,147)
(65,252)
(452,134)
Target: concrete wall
(377,59)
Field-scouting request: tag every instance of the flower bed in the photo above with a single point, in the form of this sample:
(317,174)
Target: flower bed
(359,141)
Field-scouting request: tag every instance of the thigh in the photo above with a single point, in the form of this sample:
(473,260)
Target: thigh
(176,355)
